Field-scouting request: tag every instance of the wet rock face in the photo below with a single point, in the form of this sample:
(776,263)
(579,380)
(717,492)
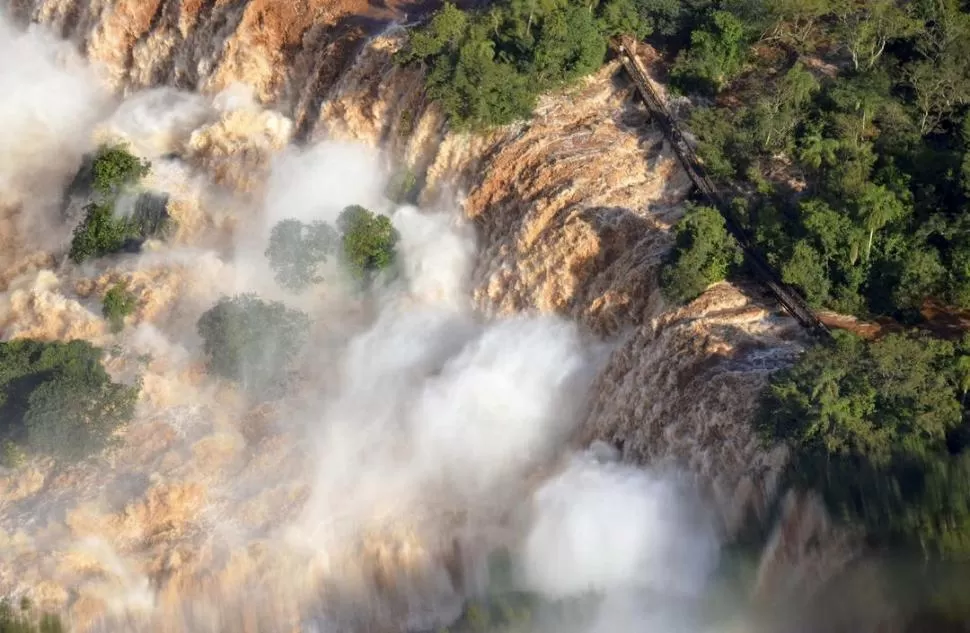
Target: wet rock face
(291,53)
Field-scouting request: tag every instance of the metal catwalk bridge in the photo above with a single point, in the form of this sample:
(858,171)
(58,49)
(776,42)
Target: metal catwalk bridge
(786,296)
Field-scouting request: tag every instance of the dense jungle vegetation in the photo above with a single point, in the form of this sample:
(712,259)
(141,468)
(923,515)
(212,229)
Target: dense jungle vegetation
(488,67)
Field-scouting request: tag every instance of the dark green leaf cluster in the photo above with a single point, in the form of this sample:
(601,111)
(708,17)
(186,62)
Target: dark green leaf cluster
(703,254)
(488,67)
(368,241)
(57,399)
(110,173)
(116,168)
(297,249)
(856,178)
(880,426)
(118,303)
(252,341)
(100,233)
(716,54)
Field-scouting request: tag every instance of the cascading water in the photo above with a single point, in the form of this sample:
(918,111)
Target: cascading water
(440,420)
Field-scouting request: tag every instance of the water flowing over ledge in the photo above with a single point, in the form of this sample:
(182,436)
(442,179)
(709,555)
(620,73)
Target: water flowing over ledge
(572,214)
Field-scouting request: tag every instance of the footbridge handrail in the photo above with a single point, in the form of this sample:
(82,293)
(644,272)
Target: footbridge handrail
(790,299)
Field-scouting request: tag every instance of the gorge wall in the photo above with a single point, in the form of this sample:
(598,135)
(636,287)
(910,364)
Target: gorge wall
(572,212)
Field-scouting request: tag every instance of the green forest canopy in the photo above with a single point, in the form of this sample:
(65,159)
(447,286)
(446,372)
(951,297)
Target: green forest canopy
(57,399)
(881,427)
(488,67)
(855,176)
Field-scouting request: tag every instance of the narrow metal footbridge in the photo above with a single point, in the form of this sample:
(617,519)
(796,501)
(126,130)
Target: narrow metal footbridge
(787,296)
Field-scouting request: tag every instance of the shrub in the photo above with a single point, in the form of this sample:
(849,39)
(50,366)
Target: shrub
(368,241)
(100,233)
(57,398)
(296,249)
(115,168)
(702,255)
(403,187)
(252,341)
(119,302)
(715,56)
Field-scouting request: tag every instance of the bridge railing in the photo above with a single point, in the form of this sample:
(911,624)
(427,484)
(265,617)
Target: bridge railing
(785,295)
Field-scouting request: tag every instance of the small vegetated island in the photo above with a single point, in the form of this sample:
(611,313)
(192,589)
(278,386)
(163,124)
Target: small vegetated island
(112,172)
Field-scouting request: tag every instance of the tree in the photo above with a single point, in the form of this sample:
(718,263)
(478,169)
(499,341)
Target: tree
(940,81)
(816,150)
(716,132)
(73,416)
(780,113)
(867,26)
(962,368)
(716,54)
(368,241)
(624,17)
(702,255)
(920,276)
(252,341)
(118,303)
(938,89)
(795,22)
(56,398)
(115,168)
(297,249)
(856,103)
(100,233)
(806,269)
(877,207)
(958,274)
(872,424)
(872,400)
(25,621)
(487,67)
(445,31)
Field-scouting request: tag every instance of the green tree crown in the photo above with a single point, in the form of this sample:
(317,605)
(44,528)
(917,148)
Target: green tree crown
(252,341)
(118,303)
(56,398)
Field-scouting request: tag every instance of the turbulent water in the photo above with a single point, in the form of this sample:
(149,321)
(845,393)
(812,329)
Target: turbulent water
(445,417)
